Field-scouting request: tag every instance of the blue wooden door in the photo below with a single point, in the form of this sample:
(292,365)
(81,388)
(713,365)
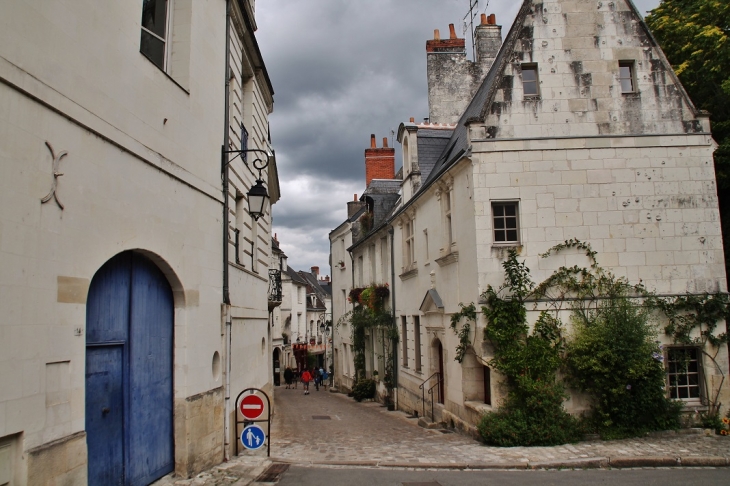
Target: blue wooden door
(129,373)
(105,414)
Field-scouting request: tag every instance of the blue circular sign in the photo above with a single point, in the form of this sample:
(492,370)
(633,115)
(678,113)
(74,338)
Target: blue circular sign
(253,437)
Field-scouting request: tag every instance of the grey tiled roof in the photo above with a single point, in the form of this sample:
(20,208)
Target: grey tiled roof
(431,144)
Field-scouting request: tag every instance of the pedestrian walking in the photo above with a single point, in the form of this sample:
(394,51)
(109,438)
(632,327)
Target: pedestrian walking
(317,378)
(295,378)
(325,377)
(288,375)
(306,378)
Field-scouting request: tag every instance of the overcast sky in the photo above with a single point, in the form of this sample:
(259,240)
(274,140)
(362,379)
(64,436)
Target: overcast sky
(341,70)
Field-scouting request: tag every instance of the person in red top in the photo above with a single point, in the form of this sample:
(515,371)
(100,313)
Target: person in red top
(306,378)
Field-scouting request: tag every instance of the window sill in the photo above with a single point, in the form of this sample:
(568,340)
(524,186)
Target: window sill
(507,244)
(478,407)
(448,259)
(409,274)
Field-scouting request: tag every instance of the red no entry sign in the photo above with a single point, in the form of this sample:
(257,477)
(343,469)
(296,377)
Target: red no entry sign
(252,406)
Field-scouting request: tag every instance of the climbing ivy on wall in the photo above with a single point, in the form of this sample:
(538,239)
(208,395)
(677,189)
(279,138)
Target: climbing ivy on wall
(370,314)
(612,355)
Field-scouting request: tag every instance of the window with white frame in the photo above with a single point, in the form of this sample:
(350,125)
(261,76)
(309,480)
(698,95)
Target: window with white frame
(404,339)
(626,76)
(155,30)
(530,84)
(417,341)
(684,374)
(448,231)
(409,243)
(384,259)
(505,219)
(166,37)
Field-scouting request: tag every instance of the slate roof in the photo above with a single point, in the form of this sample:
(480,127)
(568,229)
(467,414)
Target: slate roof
(294,275)
(431,144)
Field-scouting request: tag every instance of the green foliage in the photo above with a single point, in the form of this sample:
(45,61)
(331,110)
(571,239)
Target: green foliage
(533,413)
(532,416)
(370,313)
(468,312)
(614,358)
(364,390)
(694,35)
(693,318)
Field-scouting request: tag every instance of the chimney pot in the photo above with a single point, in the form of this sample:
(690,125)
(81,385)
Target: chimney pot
(385,142)
(413,120)
(484,19)
(452,32)
(492,19)
(372,141)
(436,34)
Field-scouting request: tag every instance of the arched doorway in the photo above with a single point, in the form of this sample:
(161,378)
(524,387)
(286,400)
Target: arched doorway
(129,364)
(277,367)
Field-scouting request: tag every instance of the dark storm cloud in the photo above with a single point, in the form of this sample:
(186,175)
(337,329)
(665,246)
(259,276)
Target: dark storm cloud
(341,70)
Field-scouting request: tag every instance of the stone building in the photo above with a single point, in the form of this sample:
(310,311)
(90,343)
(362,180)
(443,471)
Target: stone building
(130,313)
(579,130)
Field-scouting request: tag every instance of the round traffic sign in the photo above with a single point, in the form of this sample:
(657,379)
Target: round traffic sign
(253,437)
(251,406)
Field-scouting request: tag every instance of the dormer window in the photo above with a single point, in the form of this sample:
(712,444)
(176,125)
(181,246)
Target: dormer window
(626,76)
(529,80)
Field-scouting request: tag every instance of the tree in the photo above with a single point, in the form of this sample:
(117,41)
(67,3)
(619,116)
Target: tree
(695,37)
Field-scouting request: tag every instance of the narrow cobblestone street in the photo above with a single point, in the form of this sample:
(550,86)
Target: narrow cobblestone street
(331,429)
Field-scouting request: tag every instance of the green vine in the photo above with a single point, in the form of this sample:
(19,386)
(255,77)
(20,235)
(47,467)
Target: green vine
(612,356)
(370,313)
(468,312)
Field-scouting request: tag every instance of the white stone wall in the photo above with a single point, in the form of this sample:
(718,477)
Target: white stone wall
(647,205)
(142,172)
(340,240)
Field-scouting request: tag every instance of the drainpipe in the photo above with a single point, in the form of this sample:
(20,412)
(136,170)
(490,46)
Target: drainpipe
(226,294)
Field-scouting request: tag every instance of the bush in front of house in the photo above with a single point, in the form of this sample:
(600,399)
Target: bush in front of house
(364,390)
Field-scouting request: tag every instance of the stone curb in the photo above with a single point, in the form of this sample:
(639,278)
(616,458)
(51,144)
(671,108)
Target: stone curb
(426,465)
(703,461)
(643,461)
(582,463)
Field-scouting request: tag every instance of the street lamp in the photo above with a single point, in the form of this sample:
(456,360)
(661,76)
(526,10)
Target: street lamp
(325,330)
(257,196)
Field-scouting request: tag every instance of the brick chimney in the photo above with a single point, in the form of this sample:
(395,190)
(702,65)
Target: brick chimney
(488,39)
(315,271)
(379,162)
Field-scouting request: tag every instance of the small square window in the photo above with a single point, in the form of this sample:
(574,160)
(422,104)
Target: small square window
(529,80)
(626,76)
(506,229)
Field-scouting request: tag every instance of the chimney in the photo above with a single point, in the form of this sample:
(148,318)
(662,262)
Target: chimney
(488,39)
(446,71)
(353,207)
(315,271)
(452,44)
(379,162)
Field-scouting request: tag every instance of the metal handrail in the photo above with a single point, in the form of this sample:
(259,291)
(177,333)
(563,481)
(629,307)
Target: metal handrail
(430,392)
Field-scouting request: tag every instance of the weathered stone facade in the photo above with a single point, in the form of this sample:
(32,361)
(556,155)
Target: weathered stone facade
(583,130)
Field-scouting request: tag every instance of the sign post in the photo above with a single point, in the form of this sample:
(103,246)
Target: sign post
(250,407)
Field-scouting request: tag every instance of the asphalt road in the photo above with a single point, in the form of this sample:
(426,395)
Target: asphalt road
(320,476)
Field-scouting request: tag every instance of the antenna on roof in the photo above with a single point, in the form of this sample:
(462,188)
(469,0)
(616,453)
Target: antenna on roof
(472,13)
